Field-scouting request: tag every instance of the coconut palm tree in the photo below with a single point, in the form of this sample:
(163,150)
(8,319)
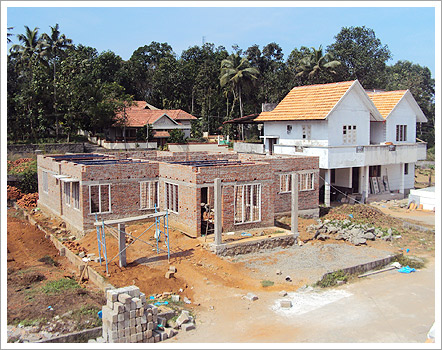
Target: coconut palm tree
(52,46)
(315,63)
(237,72)
(29,47)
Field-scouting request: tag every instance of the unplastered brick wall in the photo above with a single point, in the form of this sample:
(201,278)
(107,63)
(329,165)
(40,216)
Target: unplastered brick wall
(124,183)
(285,165)
(255,173)
(186,219)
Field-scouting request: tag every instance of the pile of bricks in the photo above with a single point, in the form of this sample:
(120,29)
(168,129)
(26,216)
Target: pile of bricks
(127,318)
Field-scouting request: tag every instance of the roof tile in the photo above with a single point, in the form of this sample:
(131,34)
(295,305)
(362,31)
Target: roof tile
(308,102)
(385,101)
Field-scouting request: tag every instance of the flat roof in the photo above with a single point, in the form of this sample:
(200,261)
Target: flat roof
(210,163)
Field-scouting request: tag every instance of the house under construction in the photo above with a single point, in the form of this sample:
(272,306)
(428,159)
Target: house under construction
(255,188)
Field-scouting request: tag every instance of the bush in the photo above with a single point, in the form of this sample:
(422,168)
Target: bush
(176,136)
(331,279)
(267,283)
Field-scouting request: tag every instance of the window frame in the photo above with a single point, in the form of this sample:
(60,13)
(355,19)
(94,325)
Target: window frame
(99,199)
(306,132)
(76,194)
(67,193)
(287,180)
(171,198)
(405,168)
(252,189)
(401,132)
(148,199)
(349,134)
(304,180)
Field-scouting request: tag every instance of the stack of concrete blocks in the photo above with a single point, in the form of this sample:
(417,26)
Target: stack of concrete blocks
(127,318)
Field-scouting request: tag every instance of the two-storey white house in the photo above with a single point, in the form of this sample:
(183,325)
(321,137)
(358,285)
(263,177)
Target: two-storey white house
(366,141)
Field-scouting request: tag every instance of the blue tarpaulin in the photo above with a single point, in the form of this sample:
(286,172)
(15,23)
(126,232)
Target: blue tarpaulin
(406,269)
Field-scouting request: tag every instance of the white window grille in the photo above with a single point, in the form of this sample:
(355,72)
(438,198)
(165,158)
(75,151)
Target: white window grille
(148,194)
(171,197)
(349,134)
(76,194)
(100,199)
(306,132)
(306,181)
(45,182)
(67,193)
(401,133)
(285,183)
(247,203)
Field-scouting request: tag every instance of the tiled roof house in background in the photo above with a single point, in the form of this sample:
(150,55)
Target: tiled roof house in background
(366,141)
(141,114)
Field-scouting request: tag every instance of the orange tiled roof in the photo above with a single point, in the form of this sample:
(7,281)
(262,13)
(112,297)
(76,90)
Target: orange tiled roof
(138,115)
(385,101)
(160,134)
(308,102)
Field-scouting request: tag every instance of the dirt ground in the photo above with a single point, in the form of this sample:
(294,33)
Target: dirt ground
(209,281)
(33,263)
(424,177)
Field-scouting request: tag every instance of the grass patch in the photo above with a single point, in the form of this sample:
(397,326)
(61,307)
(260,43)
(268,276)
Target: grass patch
(30,323)
(59,286)
(267,283)
(332,279)
(48,261)
(86,317)
(416,263)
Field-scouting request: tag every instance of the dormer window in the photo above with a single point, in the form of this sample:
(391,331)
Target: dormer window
(289,129)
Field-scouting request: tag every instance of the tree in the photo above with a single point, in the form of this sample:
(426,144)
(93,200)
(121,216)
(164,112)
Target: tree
(30,46)
(237,72)
(362,55)
(8,35)
(52,47)
(316,67)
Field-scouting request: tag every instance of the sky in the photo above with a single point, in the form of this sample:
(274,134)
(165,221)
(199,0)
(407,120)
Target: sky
(409,32)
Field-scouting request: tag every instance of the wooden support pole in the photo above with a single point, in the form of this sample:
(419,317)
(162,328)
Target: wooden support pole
(294,190)
(218,214)
(122,243)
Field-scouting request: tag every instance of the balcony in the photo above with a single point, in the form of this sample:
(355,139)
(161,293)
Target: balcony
(332,157)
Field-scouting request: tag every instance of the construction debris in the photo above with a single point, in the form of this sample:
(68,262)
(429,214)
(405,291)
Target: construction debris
(251,297)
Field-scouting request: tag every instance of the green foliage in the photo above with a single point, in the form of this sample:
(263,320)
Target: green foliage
(55,88)
(84,314)
(416,263)
(176,136)
(362,56)
(59,286)
(430,153)
(267,283)
(331,279)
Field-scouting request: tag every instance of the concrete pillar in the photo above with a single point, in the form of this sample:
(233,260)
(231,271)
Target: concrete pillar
(327,179)
(365,182)
(122,243)
(294,189)
(402,183)
(218,211)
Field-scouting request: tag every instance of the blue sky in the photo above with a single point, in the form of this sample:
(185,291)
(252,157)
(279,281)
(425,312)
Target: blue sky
(409,32)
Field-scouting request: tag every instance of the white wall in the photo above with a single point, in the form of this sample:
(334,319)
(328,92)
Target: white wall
(377,132)
(394,173)
(343,177)
(350,111)
(403,114)
(319,132)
